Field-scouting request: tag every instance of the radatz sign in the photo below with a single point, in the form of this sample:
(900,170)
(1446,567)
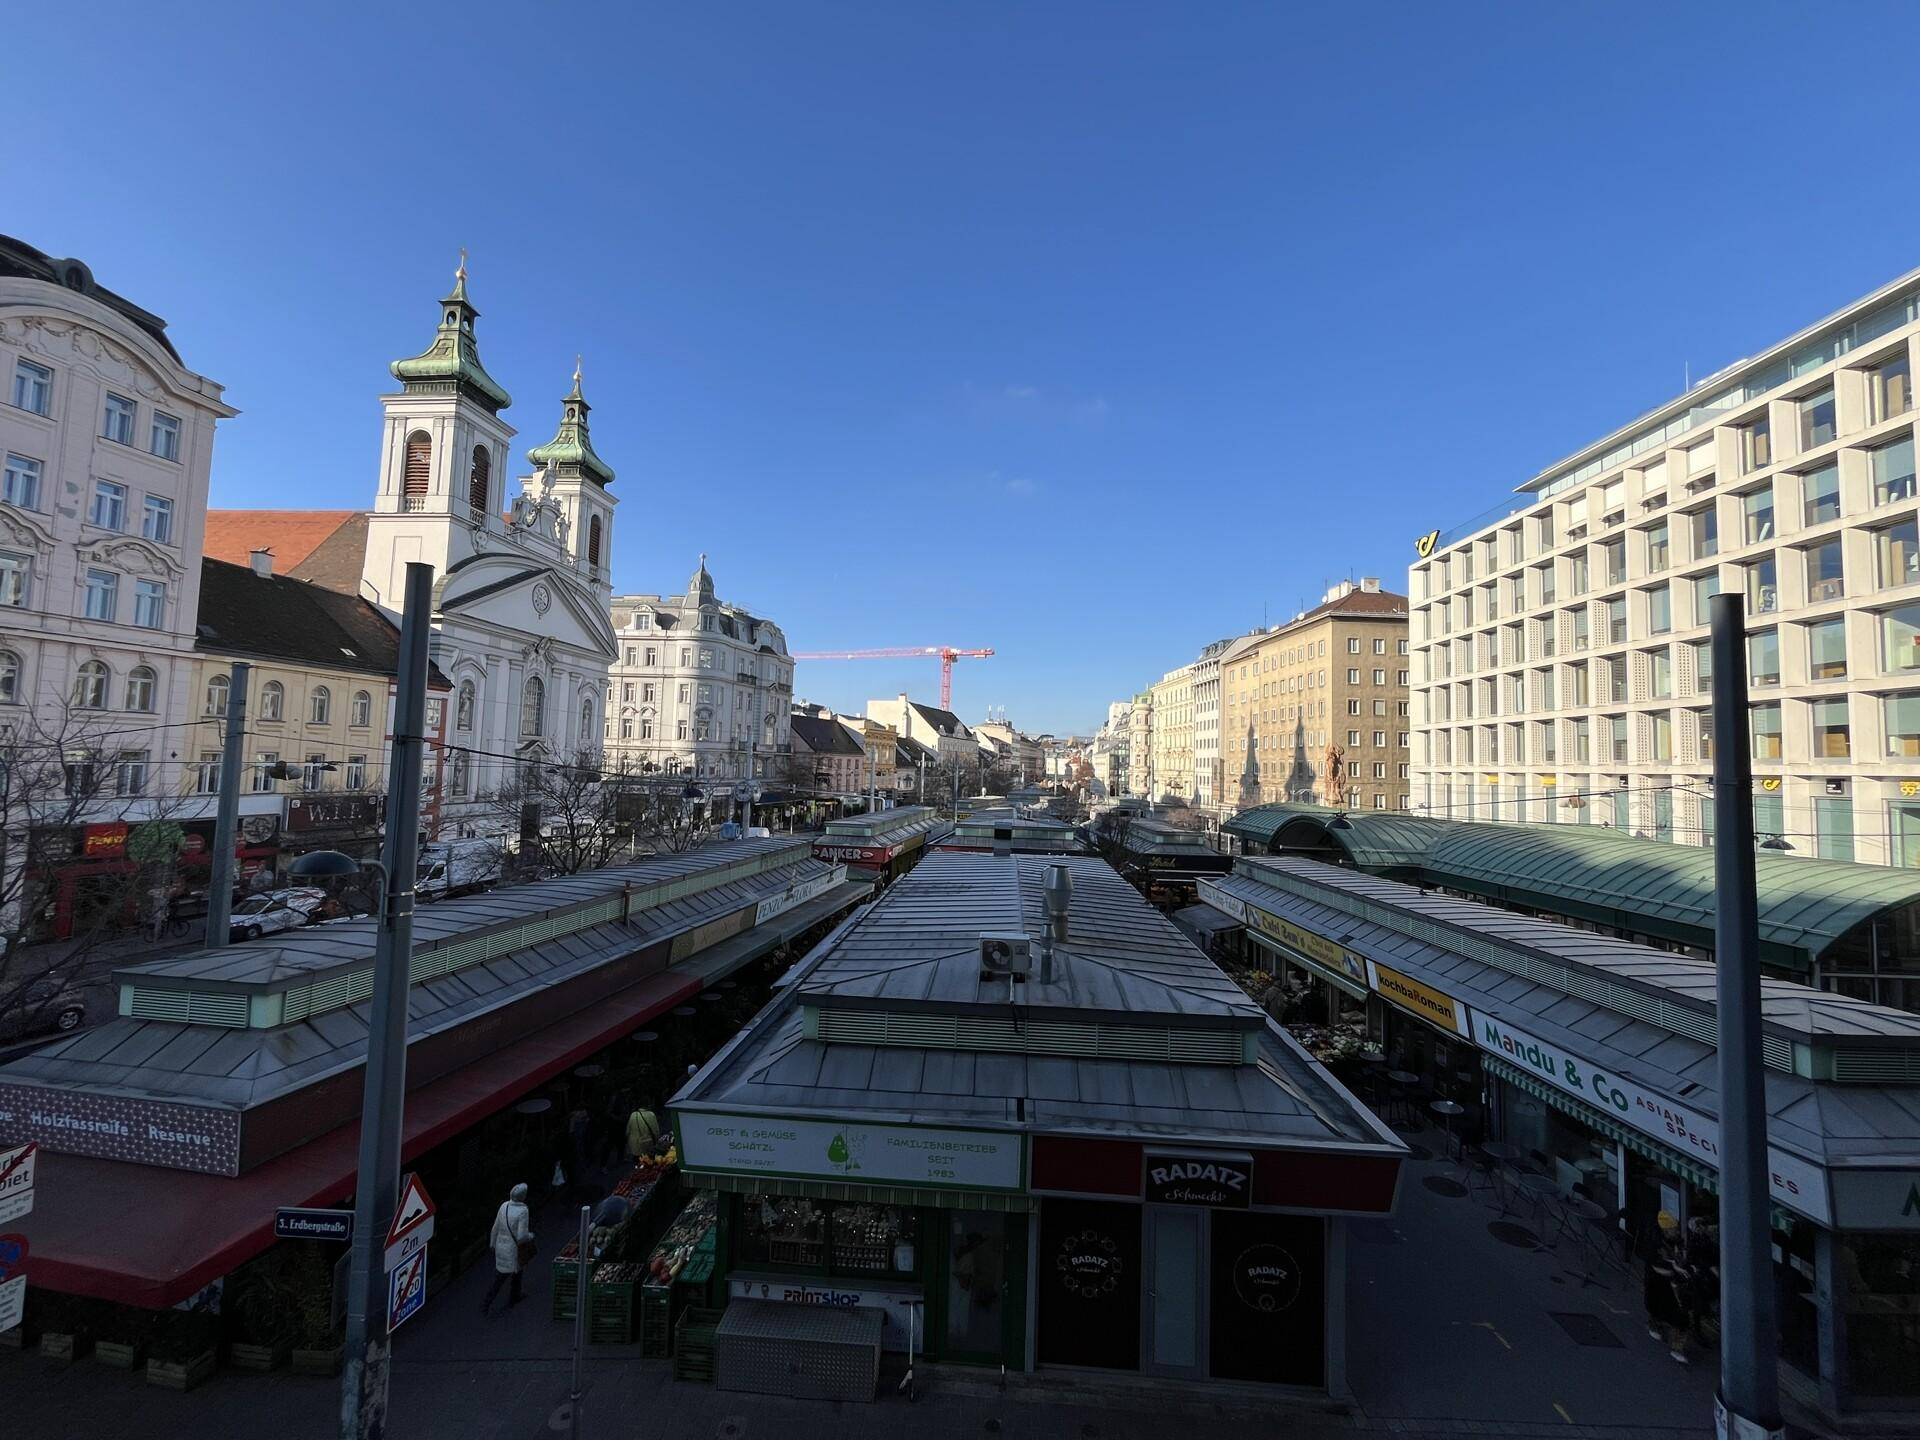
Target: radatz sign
(1797,1184)
(1219,1182)
(122,1127)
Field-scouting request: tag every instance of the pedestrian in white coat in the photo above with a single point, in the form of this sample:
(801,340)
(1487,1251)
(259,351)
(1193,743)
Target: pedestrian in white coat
(513,1247)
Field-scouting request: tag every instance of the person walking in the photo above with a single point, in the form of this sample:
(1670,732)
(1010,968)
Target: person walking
(1668,1290)
(643,1133)
(513,1247)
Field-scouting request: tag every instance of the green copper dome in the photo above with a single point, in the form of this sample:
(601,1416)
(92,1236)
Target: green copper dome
(570,452)
(452,362)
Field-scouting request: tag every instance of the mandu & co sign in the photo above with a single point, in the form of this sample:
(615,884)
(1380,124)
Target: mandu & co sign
(1798,1185)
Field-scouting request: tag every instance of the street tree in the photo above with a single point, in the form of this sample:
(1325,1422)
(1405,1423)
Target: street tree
(567,812)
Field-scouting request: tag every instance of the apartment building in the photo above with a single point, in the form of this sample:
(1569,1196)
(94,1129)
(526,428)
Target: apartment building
(1170,740)
(1209,789)
(1560,658)
(1315,709)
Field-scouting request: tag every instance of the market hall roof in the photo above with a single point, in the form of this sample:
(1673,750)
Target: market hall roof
(1654,887)
(1123,973)
(1832,1062)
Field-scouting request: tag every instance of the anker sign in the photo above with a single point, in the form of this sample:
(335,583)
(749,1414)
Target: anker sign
(1222,1182)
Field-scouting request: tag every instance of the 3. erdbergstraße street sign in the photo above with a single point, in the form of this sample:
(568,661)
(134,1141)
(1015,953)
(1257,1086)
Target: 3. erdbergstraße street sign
(300,1223)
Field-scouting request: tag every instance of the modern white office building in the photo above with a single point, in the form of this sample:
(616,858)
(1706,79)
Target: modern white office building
(1560,658)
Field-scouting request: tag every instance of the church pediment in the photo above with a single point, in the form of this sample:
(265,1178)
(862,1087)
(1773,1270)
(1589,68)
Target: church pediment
(531,600)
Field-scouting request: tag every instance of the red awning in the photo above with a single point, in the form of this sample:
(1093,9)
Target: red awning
(148,1236)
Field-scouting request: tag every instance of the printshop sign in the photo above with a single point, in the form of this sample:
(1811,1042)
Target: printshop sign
(1795,1183)
(122,1127)
(881,1154)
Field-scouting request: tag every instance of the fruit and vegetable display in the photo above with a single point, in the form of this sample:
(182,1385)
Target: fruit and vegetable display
(691,1232)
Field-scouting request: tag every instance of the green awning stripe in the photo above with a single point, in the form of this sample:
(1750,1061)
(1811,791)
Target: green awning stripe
(1644,1145)
(1294,957)
(866,1194)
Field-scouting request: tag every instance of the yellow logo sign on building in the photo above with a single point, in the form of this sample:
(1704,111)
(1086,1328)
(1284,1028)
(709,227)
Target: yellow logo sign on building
(1315,947)
(1422,1000)
(1423,547)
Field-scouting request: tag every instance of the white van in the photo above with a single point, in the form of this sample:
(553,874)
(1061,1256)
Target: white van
(457,867)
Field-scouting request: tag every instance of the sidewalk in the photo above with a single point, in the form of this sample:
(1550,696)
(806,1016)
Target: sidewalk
(1453,1332)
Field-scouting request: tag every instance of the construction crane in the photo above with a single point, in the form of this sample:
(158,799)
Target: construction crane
(947,653)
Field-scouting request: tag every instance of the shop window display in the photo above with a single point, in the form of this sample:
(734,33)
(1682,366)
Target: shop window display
(783,1231)
(1882,1276)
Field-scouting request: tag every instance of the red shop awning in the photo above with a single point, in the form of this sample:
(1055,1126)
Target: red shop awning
(147,1236)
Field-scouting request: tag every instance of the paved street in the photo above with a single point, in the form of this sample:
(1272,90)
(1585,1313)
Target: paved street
(1454,1333)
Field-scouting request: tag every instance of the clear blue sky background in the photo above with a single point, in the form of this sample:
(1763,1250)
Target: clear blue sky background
(1088,332)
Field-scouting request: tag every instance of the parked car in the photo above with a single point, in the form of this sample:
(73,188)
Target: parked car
(275,910)
(49,1004)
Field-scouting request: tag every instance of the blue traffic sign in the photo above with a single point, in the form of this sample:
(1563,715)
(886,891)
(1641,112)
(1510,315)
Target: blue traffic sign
(406,1289)
(294,1223)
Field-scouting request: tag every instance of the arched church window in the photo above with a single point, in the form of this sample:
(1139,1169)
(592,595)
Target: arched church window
(593,540)
(533,702)
(480,481)
(419,469)
(463,707)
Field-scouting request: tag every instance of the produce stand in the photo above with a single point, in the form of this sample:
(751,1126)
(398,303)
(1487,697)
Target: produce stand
(678,1273)
(616,1276)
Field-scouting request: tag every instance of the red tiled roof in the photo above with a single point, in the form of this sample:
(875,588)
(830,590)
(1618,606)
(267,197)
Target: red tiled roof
(292,535)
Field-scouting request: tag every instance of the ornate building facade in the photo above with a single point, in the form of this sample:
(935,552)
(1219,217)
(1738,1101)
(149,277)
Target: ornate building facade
(700,690)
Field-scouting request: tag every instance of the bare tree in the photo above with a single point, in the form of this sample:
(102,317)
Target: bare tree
(61,771)
(568,812)
(670,822)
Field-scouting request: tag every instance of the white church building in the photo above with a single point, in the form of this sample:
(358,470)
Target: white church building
(521,584)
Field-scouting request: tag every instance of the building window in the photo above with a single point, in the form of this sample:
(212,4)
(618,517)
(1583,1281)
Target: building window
(156,519)
(1353,644)
(22,483)
(130,773)
(533,704)
(479,480)
(1613,555)
(1893,472)
(13,580)
(313,773)
(1756,507)
(32,387)
(116,420)
(1833,826)
(593,540)
(1662,736)
(319,705)
(109,510)
(1379,647)
(1897,550)
(646,727)
(463,706)
(1763,657)
(1616,621)
(1659,610)
(1353,677)
(1756,445)
(90,686)
(1659,548)
(1763,588)
(361,714)
(1903,726)
(1379,677)
(1816,419)
(1889,389)
(1899,639)
(208,777)
(1706,532)
(706,657)
(1827,649)
(1660,674)
(1702,666)
(218,689)
(1577,580)
(1824,577)
(653,655)
(102,594)
(1820,492)
(10,678)
(356,775)
(1832,737)
(418,475)
(164,438)
(149,604)
(1766,731)
(140,682)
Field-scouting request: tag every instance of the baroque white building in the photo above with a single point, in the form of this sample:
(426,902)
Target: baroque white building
(107,441)
(700,689)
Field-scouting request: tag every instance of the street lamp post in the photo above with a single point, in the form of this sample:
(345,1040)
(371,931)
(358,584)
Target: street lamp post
(227,813)
(363,1381)
(1748,1402)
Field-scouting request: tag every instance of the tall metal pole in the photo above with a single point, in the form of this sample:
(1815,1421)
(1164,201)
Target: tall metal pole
(363,1383)
(227,812)
(1748,1402)
(582,1302)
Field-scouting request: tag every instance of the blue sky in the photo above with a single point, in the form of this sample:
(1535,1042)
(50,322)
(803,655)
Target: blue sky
(1091,333)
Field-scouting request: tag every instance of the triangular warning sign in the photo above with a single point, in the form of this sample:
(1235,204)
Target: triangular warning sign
(414,1210)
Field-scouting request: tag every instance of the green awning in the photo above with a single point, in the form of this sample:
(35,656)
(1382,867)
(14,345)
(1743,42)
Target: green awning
(1010,1202)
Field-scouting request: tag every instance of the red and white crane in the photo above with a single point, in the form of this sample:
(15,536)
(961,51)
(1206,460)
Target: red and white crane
(947,653)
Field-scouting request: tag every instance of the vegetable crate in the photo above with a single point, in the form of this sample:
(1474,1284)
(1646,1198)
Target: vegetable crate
(693,1344)
(656,1321)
